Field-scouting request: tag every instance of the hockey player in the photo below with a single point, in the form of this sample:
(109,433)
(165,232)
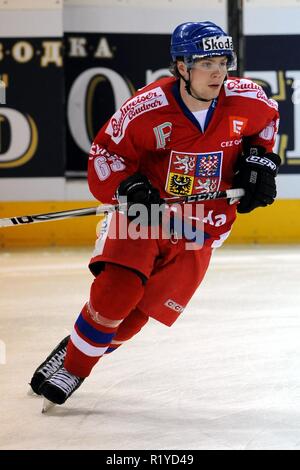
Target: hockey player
(198,131)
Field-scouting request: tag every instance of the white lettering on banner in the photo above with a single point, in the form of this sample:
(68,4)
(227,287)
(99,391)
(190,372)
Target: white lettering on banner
(153,75)
(216,43)
(295,153)
(147,101)
(2,92)
(248,89)
(76,109)
(103,50)
(77,47)
(296,92)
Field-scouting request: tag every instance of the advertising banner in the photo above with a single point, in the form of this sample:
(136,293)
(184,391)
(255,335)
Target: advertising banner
(272,63)
(32,120)
(103,70)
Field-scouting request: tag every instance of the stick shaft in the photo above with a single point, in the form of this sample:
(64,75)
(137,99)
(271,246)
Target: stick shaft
(104,208)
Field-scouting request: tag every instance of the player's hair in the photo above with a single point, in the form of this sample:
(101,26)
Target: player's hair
(173,67)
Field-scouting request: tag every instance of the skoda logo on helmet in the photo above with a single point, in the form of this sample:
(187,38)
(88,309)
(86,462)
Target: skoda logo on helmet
(215,43)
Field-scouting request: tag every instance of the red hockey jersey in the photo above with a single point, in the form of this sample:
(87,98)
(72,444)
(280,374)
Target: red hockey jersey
(155,133)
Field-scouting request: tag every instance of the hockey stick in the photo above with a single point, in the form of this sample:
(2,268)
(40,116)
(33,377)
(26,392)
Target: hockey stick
(102,209)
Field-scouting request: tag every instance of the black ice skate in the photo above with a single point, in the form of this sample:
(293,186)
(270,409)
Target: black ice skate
(51,365)
(59,387)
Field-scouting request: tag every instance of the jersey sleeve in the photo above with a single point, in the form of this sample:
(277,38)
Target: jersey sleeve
(266,136)
(121,145)
(261,120)
(110,162)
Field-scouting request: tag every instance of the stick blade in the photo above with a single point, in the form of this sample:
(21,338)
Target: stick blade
(6,223)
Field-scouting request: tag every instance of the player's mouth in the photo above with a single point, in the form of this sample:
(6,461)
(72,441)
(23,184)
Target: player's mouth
(214,86)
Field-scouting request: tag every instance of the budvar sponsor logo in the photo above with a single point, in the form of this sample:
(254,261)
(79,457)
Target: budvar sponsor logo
(138,105)
(242,86)
(248,89)
(174,306)
(216,43)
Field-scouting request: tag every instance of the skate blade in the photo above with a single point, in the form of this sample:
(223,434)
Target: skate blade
(47,405)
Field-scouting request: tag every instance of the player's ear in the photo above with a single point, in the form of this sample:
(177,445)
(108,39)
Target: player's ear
(182,68)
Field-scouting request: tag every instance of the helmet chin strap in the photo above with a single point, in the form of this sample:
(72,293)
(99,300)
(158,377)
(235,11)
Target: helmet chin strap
(188,88)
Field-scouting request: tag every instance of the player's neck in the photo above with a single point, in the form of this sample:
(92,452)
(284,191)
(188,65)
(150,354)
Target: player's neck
(193,104)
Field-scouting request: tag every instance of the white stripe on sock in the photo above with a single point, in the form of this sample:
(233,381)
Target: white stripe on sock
(85,347)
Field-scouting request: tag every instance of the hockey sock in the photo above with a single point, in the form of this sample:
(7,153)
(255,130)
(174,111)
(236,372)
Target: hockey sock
(114,294)
(129,327)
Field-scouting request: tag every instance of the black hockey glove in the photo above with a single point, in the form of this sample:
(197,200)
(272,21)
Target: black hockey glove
(138,190)
(256,174)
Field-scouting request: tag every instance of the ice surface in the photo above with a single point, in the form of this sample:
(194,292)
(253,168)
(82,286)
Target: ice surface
(226,375)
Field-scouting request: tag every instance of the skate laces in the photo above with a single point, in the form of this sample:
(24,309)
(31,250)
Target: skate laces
(54,363)
(65,381)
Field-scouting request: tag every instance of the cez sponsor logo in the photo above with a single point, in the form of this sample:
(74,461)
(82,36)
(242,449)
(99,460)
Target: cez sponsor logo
(174,306)
(231,143)
(216,43)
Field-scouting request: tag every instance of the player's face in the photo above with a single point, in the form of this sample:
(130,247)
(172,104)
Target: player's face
(207,76)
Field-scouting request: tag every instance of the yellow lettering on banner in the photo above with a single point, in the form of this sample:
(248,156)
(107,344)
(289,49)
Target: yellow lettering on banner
(23,139)
(77,47)
(51,53)
(4,78)
(1,51)
(2,119)
(22,51)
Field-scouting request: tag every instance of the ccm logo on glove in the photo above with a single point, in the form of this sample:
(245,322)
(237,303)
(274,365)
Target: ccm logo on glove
(261,161)
(256,174)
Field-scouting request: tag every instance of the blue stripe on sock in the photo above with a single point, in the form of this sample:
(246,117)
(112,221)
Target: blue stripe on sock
(91,333)
(109,350)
